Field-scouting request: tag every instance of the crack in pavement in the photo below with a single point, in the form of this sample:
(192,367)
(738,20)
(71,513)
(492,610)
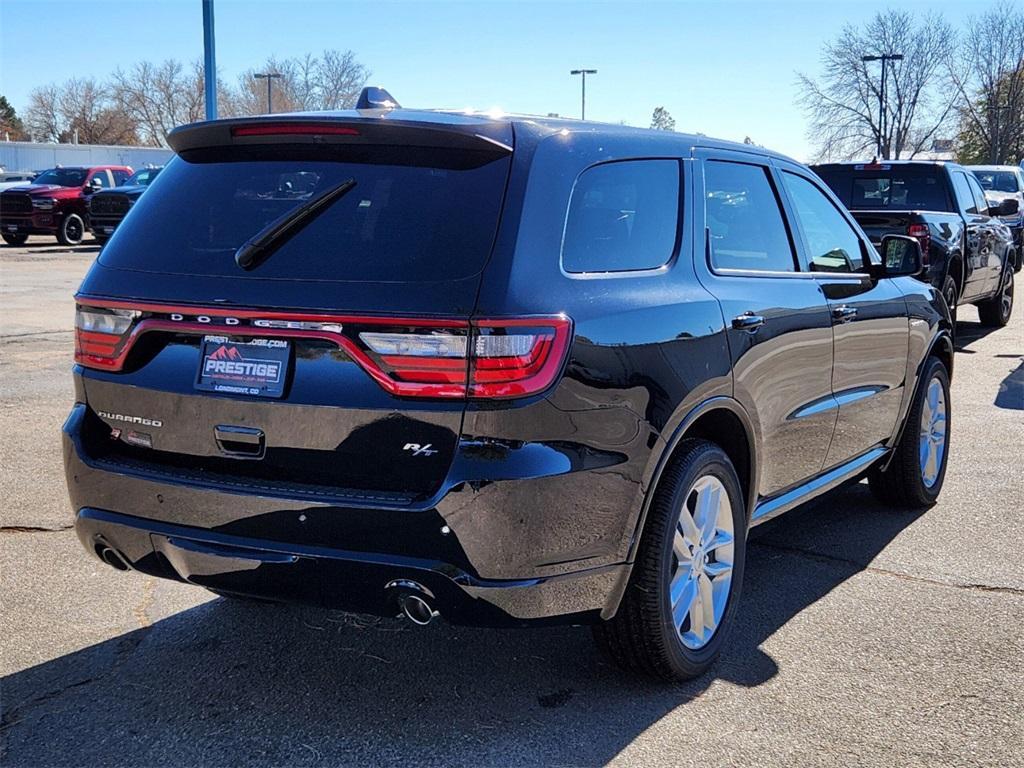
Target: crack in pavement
(34,528)
(32,333)
(812,555)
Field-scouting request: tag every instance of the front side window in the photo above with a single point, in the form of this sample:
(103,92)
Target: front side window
(980,202)
(744,219)
(622,216)
(99,180)
(833,245)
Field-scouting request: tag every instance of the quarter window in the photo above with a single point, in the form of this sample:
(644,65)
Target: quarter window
(833,245)
(744,219)
(622,216)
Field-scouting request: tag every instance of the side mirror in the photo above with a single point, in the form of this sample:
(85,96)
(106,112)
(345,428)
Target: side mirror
(1008,207)
(901,256)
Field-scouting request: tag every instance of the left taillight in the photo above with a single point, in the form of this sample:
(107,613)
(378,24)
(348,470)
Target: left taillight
(101,335)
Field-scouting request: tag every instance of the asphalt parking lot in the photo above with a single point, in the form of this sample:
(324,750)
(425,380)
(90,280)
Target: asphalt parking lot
(866,636)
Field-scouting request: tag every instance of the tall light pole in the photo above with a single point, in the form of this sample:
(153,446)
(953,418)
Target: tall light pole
(209,62)
(583,84)
(269,77)
(885,58)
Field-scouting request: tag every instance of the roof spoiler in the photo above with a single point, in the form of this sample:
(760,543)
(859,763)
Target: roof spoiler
(344,128)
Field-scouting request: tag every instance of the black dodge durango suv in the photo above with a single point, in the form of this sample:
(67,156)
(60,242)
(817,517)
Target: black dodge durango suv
(503,370)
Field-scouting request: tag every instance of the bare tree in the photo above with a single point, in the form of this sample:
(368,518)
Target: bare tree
(661,120)
(843,105)
(988,78)
(329,81)
(79,109)
(158,97)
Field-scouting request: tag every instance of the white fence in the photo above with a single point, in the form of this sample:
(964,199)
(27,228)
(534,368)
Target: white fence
(30,156)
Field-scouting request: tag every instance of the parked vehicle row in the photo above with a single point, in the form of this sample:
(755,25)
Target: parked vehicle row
(506,370)
(969,252)
(65,202)
(10,179)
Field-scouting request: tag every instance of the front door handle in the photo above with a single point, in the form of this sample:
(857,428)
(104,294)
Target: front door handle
(844,314)
(748,321)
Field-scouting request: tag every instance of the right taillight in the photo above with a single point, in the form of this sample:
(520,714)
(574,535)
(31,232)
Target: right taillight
(100,336)
(502,358)
(923,235)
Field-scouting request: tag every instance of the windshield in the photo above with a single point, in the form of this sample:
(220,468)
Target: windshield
(997,181)
(62,177)
(142,178)
(414,214)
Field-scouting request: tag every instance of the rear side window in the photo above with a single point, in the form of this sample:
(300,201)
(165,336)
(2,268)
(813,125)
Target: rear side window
(744,219)
(414,214)
(622,216)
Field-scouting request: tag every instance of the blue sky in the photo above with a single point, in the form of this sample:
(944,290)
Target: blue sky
(724,68)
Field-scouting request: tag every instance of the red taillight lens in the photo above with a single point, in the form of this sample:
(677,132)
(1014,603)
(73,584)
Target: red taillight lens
(923,235)
(502,358)
(100,336)
(293,129)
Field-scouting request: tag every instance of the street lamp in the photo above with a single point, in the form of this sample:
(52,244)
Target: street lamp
(583,83)
(884,58)
(269,77)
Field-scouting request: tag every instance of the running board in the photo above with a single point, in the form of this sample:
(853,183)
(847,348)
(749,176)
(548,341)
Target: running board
(775,506)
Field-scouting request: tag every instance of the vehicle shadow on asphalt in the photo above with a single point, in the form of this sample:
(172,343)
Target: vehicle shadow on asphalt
(229,682)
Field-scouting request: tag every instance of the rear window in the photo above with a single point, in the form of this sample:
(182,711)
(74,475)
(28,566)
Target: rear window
(887,186)
(998,181)
(413,215)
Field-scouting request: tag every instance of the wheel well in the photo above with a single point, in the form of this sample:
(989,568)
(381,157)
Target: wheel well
(956,271)
(724,428)
(943,350)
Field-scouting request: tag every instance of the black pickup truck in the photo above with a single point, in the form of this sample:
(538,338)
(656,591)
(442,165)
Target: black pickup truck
(968,252)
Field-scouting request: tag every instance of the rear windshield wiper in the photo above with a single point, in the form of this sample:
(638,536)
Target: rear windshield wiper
(264,243)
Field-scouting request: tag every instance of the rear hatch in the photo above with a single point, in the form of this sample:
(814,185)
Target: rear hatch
(336,366)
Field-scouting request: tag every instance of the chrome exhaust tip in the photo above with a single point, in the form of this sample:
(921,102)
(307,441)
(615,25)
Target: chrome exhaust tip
(111,557)
(417,610)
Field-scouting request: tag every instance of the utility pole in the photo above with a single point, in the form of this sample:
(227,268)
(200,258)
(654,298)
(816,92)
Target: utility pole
(583,85)
(269,77)
(209,62)
(885,58)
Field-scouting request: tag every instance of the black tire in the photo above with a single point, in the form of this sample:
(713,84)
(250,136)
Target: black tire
(13,239)
(903,484)
(642,636)
(72,230)
(951,294)
(995,312)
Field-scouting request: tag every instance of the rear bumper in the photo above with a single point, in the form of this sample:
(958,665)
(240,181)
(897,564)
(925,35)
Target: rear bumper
(331,554)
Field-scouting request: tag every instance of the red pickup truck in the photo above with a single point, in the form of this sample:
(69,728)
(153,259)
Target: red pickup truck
(55,203)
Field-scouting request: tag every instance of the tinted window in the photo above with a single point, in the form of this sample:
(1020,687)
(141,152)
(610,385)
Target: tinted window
(414,215)
(979,194)
(745,221)
(120,177)
(622,216)
(832,243)
(964,195)
(900,187)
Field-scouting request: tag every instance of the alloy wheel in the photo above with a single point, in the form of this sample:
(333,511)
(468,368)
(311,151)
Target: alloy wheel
(1006,296)
(932,442)
(702,562)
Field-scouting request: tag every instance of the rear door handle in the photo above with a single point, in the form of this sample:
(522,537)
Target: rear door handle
(748,321)
(844,314)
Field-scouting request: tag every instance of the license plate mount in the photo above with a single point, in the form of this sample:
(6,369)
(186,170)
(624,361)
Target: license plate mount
(257,368)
